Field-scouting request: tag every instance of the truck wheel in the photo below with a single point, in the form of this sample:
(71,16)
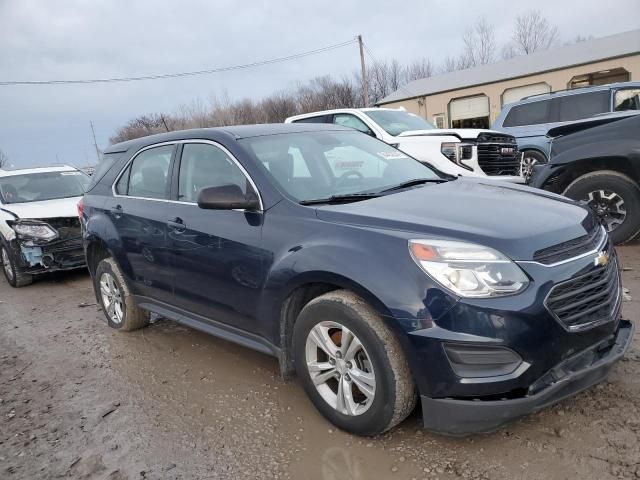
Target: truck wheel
(115,298)
(614,197)
(14,275)
(529,159)
(351,365)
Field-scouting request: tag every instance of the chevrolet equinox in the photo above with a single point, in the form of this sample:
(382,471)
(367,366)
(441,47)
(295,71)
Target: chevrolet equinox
(377,280)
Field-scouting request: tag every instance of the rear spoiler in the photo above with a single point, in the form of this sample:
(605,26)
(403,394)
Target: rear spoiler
(580,125)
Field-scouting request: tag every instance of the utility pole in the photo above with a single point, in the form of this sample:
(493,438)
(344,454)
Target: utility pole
(365,87)
(95,144)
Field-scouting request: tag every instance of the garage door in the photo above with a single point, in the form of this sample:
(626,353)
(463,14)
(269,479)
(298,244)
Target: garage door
(470,107)
(511,95)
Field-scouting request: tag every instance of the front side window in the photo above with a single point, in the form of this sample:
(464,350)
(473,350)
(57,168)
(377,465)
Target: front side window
(204,165)
(627,99)
(395,122)
(335,163)
(319,119)
(148,175)
(533,113)
(37,187)
(582,105)
(351,121)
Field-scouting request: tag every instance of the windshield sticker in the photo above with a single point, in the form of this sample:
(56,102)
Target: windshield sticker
(350,165)
(70,173)
(392,155)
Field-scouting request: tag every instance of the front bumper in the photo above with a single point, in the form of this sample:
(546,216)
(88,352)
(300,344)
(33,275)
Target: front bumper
(573,375)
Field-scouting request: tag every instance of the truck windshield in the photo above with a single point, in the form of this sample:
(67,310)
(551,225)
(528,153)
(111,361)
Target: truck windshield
(395,122)
(35,187)
(313,165)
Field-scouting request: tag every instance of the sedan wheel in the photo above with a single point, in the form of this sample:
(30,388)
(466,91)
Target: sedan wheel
(340,368)
(111,298)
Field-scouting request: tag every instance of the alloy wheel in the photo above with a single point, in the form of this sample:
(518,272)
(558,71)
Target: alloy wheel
(340,368)
(609,206)
(526,167)
(111,298)
(6,263)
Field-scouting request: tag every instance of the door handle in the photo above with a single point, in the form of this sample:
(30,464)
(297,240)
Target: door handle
(177,225)
(117,211)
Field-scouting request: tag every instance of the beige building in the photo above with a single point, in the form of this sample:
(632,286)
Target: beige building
(473,98)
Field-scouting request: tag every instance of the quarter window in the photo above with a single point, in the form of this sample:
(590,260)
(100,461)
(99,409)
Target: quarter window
(627,99)
(533,113)
(202,166)
(148,175)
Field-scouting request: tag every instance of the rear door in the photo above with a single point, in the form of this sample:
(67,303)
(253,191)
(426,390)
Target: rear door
(138,211)
(216,254)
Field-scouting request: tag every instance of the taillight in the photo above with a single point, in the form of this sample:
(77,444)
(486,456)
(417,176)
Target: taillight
(81,208)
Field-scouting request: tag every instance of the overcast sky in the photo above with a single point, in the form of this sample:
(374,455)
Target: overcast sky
(57,39)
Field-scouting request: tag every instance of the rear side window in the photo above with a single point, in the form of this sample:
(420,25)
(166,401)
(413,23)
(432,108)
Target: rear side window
(319,119)
(582,105)
(351,121)
(148,175)
(533,113)
(627,99)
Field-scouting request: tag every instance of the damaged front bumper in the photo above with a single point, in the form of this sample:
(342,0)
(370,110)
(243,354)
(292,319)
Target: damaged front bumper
(64,252)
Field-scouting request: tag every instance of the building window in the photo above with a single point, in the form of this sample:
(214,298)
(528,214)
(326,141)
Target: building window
(599,78)
(438,120)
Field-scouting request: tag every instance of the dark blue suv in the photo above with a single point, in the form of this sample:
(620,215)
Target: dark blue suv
(374,278)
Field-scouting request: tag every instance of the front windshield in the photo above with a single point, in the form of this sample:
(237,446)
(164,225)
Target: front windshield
(395,122)
(316,165)
(35,187)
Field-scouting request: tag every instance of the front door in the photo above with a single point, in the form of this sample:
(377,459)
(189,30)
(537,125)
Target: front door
(216,255)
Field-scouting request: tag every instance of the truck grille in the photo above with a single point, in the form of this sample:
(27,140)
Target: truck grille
(589,299)
(498,154)
(572,248)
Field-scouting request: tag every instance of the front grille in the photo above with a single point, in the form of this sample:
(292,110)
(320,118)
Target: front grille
(493,159)
(572,248)
(589,299)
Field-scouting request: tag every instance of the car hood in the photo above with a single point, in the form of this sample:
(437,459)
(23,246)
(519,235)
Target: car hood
(61,207)
(514,219)
(468,133)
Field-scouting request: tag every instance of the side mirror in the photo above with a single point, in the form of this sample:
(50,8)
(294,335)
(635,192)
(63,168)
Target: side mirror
(227,197)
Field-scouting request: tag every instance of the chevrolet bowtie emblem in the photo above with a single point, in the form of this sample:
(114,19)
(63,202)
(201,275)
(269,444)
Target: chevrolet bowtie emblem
(602,260)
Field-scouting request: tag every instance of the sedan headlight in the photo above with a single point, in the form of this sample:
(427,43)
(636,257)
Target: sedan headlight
(467,269)
(41,231)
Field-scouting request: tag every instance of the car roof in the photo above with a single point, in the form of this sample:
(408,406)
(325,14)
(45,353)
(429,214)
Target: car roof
(339,110)
(220,133)
(26,171)
(574,91)
(581,124)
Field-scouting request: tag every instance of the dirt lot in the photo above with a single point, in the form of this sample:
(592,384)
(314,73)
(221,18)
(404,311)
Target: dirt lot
(79,400)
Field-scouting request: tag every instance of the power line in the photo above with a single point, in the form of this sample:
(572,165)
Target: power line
(182,74)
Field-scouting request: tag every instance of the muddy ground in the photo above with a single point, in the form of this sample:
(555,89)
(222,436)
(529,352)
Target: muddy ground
(79,400)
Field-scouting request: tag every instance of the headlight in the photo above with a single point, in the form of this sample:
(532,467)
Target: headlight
(456,152)
(467,269)
(35,230)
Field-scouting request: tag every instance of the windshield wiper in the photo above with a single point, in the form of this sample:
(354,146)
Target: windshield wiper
(412,183)
(346,198)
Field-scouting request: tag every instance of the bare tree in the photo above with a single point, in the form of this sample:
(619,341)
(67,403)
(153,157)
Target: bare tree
(533,32)
(422,68)
(4,160)
(479,43)
(579,39)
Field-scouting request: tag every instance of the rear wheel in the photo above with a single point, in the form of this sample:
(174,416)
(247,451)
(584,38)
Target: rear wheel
(614,197)
(351,365)
(14,275)
(115,298)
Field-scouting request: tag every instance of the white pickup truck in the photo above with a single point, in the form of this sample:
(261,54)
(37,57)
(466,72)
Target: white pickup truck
(471,152)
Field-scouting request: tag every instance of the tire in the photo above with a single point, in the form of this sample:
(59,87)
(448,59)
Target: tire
(115,298)
(610,187)
(529,159)
(15,276)
(392,392)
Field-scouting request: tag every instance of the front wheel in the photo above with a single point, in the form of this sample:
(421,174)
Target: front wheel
(614,197)
(351,365)
(530,158)
(12,272)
